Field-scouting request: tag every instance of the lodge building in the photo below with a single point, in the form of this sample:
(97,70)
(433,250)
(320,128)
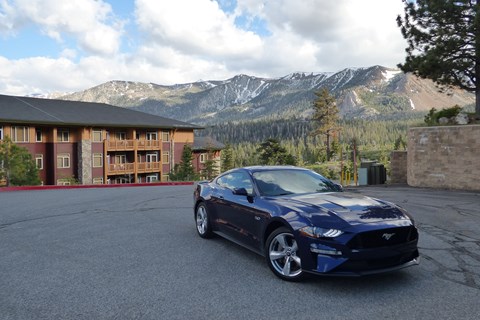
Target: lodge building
(96,143)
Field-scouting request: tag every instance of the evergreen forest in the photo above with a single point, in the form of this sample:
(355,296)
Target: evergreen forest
(372,139)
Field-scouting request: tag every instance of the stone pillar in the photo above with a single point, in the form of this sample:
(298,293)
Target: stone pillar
(85,162)
(398,165)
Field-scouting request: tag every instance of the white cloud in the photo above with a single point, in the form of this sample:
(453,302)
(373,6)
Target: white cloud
(338,34)
(196,27)
(180,41)
(88,21)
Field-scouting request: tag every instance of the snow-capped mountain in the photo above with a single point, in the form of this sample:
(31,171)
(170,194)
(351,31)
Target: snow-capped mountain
(360,92)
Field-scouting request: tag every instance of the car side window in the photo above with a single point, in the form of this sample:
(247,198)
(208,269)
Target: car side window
(236,180)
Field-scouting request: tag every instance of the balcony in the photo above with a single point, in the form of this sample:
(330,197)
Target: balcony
(131,145)
(129,168)
(148,144)
(147,167)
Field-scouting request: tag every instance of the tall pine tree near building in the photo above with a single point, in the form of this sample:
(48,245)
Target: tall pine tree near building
(184,171)
(325,117)
(443,42)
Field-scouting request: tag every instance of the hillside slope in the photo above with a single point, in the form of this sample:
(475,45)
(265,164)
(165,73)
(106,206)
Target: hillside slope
(360,92)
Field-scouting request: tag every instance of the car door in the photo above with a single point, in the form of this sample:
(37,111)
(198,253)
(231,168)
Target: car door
(239,218)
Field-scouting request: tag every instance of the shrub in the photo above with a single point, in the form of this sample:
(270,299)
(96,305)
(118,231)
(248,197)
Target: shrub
(433,115)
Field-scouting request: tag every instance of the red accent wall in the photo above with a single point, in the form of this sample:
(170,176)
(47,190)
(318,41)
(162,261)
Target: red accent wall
(65,173)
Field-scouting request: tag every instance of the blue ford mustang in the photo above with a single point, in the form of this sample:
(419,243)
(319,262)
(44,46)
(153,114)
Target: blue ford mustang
(304,223)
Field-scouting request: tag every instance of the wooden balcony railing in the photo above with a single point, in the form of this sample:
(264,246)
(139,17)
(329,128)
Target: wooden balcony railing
(120,145)
(129,145)
(129,168)
(121,168)
(145,167)
(148,144)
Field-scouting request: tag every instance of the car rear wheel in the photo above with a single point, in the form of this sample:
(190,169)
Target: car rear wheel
(203,222)
(282,255)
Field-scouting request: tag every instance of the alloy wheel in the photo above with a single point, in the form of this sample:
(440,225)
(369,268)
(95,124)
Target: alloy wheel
(282,253)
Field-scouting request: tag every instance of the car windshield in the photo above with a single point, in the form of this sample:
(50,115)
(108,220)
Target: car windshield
(285,182)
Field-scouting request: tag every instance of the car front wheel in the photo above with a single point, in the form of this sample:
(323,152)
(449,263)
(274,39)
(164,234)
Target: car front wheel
(203,222)
(282,255)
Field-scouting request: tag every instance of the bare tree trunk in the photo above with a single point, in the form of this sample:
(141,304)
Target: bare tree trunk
(477,99)
(477,61)
(328,145)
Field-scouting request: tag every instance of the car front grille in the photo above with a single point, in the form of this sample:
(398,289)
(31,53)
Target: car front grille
(375,264)
(383,238)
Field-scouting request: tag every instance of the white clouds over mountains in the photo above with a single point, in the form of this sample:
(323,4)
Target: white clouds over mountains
(175,41)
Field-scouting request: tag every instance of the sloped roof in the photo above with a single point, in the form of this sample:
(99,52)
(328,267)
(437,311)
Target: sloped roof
(27,110)
(205,143)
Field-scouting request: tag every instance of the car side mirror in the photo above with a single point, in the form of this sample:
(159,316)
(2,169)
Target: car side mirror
(240,192)
(243,192)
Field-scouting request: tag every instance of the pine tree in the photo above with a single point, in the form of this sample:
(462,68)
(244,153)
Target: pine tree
(272,153)
(443,42)
(210,167)
(325,116)
(184,171)
(227,158)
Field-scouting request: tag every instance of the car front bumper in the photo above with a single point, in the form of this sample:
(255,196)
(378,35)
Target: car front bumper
(347,262)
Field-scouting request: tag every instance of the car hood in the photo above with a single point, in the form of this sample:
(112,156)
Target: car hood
(350,207)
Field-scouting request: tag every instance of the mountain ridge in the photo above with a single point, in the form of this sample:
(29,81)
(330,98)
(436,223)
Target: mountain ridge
(359,92)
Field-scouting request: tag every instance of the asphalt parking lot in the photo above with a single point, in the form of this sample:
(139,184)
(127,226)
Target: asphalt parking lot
(133,253)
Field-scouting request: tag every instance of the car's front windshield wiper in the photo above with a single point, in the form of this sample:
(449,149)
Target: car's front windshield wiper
(284,194)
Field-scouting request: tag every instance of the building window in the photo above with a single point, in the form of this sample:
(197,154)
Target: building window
(152,136)
(97,160)
(97,180)
(152,178)
(165,136)
(64,182)
(120,180)
(97,136)
(63,135)
(203,157)
(39,161)
(165,157)
(152,157)
(63,160)
(120,159)
(20,134)
(1,133)
(38,135)
(137,135)
(120,135)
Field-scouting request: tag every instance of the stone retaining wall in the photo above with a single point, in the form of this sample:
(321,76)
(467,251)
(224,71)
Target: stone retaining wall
(444,157)
(398,163)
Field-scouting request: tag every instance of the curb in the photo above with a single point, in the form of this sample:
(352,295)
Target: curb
(91,186)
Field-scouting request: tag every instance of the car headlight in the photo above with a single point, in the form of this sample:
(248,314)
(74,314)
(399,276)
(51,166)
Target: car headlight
(316,232)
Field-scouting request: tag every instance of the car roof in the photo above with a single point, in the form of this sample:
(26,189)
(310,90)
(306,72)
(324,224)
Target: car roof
(253,169)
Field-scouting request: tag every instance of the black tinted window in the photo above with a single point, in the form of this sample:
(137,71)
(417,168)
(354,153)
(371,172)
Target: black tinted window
(283,182)
(236,180)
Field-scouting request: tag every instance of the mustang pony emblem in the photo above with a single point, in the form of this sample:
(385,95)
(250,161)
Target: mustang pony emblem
(387,236)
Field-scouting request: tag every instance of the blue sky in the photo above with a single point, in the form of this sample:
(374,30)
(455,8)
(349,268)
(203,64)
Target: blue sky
(49,46)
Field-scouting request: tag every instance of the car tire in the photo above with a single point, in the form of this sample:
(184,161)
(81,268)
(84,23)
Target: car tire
(281,254)
(202,221)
